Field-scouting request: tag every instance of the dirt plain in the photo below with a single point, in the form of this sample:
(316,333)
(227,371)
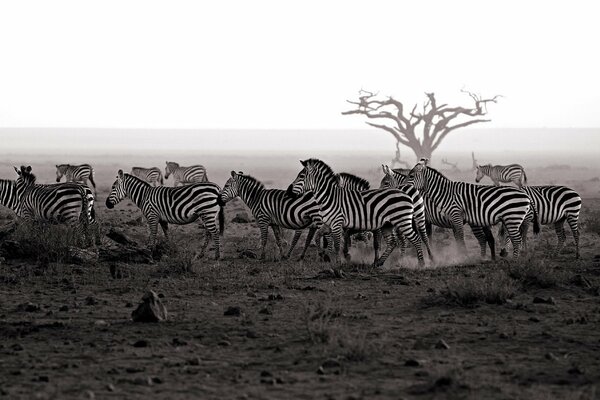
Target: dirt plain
(303,329)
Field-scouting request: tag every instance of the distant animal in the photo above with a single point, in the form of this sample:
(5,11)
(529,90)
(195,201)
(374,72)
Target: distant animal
(271,207)
(164,205)
(476,205)
(502,173)
(396,178)
(83,173)
(67,203)
(386,209)
(554,205)
(185,175)
(151,175)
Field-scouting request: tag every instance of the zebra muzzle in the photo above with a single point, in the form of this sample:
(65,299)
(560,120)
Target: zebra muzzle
(109,204)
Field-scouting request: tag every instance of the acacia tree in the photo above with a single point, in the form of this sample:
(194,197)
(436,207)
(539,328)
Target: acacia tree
(421,130)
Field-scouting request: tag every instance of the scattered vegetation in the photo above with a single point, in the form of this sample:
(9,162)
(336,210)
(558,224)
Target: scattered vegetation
(537,272)
(42,242)
(494,288)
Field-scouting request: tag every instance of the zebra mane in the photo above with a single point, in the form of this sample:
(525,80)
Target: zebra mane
(322,166)
(356,180)
(136,179)
(252,180)
(402,171)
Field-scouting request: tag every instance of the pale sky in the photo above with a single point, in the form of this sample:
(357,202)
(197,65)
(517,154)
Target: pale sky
(280,64)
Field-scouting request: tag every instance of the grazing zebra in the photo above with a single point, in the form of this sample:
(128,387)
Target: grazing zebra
(163,205)
(554,205)
(150,175)
(474,204)
(502,173)
(396,178)
(386,209)
(271,207)
(76,173)
(185,175)
(65,203)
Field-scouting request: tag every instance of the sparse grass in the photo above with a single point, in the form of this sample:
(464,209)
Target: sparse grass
(537,272)
(178,257)
(44,242)
(319,324)
(495,288)
(591,222)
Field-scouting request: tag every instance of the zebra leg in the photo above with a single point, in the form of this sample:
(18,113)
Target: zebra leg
(422,230)
(165,227)
(391,242)
(515,237)
(573,224)
(311,233)
(264,233)
(153,225)
(212,232)
(277,233)
(295,239)
(347,244)
(481,239)
(403,244)
(523,230)
(458,229)
(562,236)
(414,238)
(377,235)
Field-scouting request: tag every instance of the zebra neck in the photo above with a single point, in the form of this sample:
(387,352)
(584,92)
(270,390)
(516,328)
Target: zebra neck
(439,190)
(326,189)
(8,194)
(136,190)
(251,195)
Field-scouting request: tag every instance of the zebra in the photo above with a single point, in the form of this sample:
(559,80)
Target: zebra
(474,204)
(64,203)
(76,173)
(185,175)
(271,207)
(396,178)
(554,205)
(163,205)
(502,173)
(386,209)
(150,175)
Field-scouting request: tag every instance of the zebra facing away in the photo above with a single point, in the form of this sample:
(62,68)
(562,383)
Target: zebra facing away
(64,203)
(150,175)
(271,207)
(386,209)
(185,175)
(164,205)
(554,205)
(502,173)
(396,178)
(474,204)
(76,173)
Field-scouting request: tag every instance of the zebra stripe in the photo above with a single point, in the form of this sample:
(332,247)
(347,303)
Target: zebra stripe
(65,203)
(502,173)
(185,175)
(163,205)
(473,204)
(554,205)
(76,173)
(271,207)
(396,178)
(150,175)
(386,209)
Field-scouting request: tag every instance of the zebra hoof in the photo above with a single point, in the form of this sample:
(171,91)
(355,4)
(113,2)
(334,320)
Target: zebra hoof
(503,253)
(347,257)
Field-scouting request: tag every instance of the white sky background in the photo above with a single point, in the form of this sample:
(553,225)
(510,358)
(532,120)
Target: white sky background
(284,65)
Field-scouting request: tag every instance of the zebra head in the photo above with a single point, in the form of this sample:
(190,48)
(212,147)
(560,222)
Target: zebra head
(304,182)
(417,177)
(25,178)
(61,170)
(117,192)
(482,171)
(170,168)
(231,189)
(392,178)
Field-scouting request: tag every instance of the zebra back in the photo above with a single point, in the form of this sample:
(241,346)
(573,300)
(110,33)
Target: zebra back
(150,175)
(352,182)
(185,175)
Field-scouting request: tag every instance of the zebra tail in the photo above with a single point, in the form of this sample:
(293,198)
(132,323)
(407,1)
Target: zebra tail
(524,178)
(536,221)
(221,219)
(92,180)
(160,175)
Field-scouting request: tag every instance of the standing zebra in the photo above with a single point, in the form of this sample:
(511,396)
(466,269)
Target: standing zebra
(65,203)
(163,205)
(554,205)
(271,207)
(396,178)
(474,204)
(502,173)
(185,175)
(386,209)
(76,173)
(150,175)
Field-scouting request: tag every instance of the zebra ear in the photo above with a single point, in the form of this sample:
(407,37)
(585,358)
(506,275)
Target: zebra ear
(233,174)
(120,173)
(28,169)
(17,170)
(303,163)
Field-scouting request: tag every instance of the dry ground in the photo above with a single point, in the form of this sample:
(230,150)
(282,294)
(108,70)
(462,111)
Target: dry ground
(303,330)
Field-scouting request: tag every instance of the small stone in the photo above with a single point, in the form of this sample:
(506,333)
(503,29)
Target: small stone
(110,387)
(17,347)
(141,343)
(150,310)
(441,344)
(265,311)
(90,301)
(540,300)
(275,297)
(412,363)
(534,319)
(64,308)
(101,322)
(251,334)
(143,381)
(178,342)
(265,374)
(224,343)
(194,361)
(551,357)
(234,311)
(89,394)
(575,371)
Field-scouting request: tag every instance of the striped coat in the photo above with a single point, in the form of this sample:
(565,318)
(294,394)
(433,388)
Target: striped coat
(185,175)
(83,173)
(151,175)
(502,173)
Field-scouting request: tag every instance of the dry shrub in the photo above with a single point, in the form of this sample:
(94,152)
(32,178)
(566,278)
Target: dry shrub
(495,288)
(537,272)
(44,242)
(178,257)
(318,318)
(591,222)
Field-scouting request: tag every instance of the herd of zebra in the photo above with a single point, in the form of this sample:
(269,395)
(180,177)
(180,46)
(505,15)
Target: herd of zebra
(332,206)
